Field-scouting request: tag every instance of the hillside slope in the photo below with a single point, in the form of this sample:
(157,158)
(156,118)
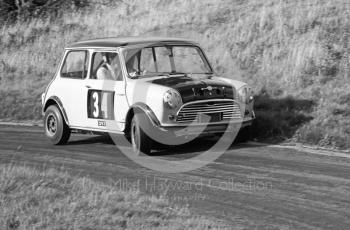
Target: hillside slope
(294,53)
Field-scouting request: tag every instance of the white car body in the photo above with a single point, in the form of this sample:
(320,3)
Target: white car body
(73,99)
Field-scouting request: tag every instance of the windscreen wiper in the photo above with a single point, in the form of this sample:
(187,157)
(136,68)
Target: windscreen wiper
(162,74)
(177,73)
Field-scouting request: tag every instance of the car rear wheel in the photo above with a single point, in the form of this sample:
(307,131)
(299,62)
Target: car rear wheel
(140,142)
(56,129)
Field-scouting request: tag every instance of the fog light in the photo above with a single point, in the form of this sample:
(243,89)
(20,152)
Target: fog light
(172,117)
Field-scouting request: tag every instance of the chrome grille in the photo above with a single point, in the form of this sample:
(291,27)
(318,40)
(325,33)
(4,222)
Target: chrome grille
(191,112)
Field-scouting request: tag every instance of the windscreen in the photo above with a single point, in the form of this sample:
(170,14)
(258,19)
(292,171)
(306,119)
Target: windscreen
(159,60)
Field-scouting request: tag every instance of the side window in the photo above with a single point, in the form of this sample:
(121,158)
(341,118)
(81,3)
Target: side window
(163,59)
(75,65)
(106,66)
(132,60)
(147,61)
(97,61)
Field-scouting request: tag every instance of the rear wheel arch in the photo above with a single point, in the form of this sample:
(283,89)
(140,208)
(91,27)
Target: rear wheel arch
(55,127)
(56,101)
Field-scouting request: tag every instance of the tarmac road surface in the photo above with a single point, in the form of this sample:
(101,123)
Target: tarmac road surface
(250,187)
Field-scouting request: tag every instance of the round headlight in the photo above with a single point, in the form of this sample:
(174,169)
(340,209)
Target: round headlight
(172,99)
(245,95)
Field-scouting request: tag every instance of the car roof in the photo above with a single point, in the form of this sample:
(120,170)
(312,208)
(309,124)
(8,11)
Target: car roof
(125,41)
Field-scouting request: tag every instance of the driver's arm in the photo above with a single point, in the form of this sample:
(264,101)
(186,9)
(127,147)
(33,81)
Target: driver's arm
(103,74)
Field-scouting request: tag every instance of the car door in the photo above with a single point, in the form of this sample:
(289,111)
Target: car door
(106,100)
(69,87)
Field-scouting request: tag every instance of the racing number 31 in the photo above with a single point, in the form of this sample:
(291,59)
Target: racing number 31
(100,104)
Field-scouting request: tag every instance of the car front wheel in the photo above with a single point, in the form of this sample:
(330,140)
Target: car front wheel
(244,135)
(56,128)
(141,143)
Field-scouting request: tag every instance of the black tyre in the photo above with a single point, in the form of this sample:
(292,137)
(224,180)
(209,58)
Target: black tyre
(140,142)
(244,135)
(55,127)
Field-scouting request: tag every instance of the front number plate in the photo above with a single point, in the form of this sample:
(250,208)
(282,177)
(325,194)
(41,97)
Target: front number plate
(210,117)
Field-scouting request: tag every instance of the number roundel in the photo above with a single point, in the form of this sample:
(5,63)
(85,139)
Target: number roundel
(100,104)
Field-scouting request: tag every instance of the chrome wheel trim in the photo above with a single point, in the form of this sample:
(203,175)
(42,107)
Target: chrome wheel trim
(51,124)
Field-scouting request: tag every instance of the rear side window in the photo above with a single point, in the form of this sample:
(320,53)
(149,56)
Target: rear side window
(75,65)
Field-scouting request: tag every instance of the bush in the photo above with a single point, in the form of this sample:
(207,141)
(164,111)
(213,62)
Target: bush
(26,9)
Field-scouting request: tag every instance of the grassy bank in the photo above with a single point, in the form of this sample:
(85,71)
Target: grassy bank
(294,53)
(33,199)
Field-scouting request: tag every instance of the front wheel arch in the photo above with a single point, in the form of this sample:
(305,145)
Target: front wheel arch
(140,108)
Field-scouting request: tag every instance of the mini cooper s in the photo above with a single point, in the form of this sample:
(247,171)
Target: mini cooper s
(151,90)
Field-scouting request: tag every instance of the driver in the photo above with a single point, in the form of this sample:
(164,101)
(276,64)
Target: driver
(106,70)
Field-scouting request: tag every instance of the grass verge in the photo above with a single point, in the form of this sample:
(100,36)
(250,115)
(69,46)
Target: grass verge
(49,199)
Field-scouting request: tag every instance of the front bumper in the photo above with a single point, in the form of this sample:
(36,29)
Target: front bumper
(177,135)
(174,133)
(203,129)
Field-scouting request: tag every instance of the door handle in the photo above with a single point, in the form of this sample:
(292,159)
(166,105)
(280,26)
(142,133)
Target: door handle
(87,86)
